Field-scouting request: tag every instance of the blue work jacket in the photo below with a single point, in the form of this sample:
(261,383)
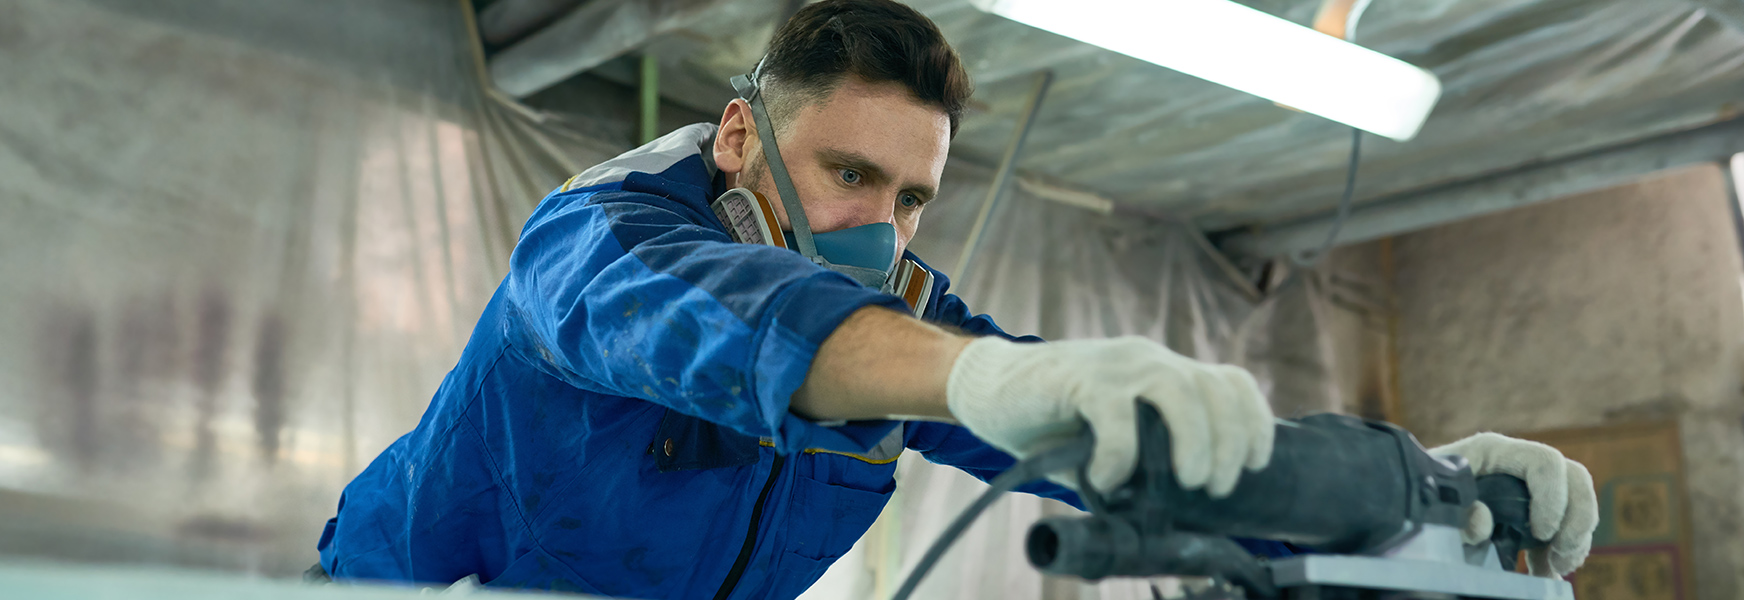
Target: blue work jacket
(618,423)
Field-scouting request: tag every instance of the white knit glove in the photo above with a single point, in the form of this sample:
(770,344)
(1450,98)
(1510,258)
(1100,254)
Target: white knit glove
(1028,398)
(1564,508)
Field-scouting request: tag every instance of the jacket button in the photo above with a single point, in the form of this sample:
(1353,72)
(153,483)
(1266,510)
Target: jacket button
(667,446)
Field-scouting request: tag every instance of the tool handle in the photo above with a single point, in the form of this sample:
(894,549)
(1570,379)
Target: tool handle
(1510,505)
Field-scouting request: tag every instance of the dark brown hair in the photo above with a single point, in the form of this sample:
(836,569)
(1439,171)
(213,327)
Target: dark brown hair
(876,40)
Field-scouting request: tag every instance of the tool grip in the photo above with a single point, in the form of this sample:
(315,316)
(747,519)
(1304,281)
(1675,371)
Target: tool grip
(1510,503)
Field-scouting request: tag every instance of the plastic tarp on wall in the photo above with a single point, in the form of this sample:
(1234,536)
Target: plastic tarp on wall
(240,245)
(241,242)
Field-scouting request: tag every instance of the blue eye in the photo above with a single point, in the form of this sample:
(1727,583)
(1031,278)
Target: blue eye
(849,176)
(909,200)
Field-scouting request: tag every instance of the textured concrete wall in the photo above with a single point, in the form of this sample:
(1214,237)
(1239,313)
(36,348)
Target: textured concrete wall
(1614,306)
(1359,319)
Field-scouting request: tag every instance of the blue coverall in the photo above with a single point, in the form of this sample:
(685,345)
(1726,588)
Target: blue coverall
(618,423)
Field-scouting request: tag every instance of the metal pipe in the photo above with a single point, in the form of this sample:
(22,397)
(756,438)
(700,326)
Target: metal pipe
(1002,178)
(1421,209)
(650,98)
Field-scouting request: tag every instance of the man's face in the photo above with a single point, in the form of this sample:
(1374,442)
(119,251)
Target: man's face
(870,153)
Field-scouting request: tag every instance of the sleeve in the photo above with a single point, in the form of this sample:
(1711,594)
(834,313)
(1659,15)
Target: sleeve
(638,295)
(953,445)
(954,312)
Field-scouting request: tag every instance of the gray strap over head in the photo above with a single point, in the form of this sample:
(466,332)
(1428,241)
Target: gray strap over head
(748,88)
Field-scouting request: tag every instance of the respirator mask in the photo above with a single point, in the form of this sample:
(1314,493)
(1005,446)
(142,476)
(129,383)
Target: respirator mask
(867,253)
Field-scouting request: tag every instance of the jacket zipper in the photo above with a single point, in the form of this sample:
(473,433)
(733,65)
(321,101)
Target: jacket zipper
(744,559)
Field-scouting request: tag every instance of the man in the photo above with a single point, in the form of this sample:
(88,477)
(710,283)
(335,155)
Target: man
(649,409)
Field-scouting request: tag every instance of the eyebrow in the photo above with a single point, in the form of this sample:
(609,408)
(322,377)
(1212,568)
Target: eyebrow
(869,168)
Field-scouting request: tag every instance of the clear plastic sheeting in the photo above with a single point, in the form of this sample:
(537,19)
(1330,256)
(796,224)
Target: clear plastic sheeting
(241,243)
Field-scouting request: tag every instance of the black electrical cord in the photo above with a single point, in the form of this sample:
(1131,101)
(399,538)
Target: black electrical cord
(1307,259)
(1035,467)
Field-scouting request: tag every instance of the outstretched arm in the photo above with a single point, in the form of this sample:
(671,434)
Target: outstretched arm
(1026,398)
(880,364)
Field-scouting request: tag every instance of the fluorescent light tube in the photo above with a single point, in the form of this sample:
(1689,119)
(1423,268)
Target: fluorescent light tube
(1239,47)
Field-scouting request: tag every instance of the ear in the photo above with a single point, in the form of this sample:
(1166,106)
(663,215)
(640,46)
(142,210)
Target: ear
(736,138)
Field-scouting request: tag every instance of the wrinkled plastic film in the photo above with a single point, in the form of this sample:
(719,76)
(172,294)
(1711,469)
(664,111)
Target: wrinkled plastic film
(242,245)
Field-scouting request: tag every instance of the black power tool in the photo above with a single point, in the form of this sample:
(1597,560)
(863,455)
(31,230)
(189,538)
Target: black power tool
(1378,515)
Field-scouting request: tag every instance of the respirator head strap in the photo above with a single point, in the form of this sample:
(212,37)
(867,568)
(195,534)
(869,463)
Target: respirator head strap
(750,90)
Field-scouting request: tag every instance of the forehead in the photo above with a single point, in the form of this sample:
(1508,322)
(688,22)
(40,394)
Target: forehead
(881,121)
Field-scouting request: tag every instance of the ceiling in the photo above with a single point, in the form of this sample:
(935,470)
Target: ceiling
(1524,81)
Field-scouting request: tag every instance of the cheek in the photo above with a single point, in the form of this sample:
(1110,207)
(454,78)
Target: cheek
(825,203)
(906,227)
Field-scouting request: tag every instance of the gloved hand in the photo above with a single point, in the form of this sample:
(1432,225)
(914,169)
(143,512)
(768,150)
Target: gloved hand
(1564,508)
(1028,398)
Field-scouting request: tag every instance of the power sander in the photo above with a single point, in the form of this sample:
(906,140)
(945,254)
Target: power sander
(1378,518)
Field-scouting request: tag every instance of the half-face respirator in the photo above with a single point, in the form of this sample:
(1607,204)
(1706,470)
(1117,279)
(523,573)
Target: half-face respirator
(867,253)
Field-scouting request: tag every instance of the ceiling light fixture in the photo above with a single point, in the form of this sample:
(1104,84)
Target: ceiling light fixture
(1242,48)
